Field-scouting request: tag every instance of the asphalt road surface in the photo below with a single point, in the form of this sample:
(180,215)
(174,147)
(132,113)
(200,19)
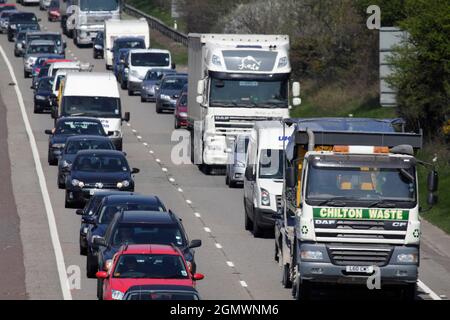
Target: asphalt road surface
(236,265)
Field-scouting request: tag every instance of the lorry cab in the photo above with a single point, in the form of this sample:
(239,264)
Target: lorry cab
(96,95)
(263,178)
(117,29)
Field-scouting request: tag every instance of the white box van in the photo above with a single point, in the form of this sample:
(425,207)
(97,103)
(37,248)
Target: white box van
(263,179)
(123,28)
(140,61)
(94,94)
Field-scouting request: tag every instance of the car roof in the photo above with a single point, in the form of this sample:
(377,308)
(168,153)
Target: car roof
(100,152)
(91,119)
(139,199)
(150,217)
(87,137)
(149,249)
(41,42)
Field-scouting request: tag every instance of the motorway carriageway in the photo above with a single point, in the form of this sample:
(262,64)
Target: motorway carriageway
(236,266)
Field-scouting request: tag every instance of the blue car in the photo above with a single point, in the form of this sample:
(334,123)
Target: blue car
(117,65)
(89,209)
(99,220)
(43,95)
(127,42)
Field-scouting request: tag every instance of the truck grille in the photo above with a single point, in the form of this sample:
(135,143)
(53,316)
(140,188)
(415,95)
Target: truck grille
(359,255)
(235,125)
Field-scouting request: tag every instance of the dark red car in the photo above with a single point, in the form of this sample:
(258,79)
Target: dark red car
(140,265)
(54,12)
(181,109)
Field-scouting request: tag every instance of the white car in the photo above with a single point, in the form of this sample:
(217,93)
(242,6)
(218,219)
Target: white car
(44,4)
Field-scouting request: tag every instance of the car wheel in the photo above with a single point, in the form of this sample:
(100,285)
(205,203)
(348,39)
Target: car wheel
(36,109)
(100,289)
(158,109)
(67,203)
(83,250)
(91,266)
(227,179)
(25,74)
(61,185)
(232,184)
(51,161)
(10,39)
(130,93)
(286,280)
(257,230)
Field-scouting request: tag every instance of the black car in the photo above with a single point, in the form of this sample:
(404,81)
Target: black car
(169,91)
(161,292)
(97,169)
(89,209)
(105,212)
(70,126)
(97,46)
(143,227)
(43,94)
(75,144)
(19,20)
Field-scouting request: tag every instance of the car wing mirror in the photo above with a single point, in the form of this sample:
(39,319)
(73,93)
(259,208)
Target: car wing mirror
(49,132)
(195,244)
(135,171)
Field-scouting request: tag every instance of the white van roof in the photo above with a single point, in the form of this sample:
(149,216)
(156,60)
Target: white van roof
(270,134)
(149,50)
(92,84)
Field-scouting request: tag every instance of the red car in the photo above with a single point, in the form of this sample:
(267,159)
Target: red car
(140,265)
(181,109)
(54,12)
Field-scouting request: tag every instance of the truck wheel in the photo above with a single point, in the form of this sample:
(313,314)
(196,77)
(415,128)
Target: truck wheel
(286,280)
(257,230)
(301,291)
(409,292)
(91,266)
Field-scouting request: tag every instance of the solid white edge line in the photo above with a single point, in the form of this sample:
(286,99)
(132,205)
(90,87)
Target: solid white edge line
(428,291)
(64,281)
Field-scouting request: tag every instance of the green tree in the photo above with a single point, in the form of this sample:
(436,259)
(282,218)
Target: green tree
(422,66)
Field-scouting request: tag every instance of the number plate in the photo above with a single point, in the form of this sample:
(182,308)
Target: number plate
(359,269)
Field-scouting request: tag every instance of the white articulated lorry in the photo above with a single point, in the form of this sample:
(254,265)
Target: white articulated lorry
(83,19)
(351,205)
(234,80)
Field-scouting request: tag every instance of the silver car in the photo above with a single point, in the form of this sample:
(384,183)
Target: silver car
(19,45)
(235,168)
(34,50)
(44,4)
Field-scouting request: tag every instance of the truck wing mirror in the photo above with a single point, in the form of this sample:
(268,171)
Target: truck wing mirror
(296,89)
(290,177)
(249,173)
(127,117)
(433,181)
(200,87)
(432,199)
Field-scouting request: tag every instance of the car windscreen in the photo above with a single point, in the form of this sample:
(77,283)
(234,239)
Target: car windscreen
(23,17)
(80,127)
(21,36)
(148,233)
(150,59)
(41,49)
(7,14)
(271,164)
(99,5)
(101,163)
(150,266)
(130,44)
(157,75)
(174,84)
(109,211)
(44,71)
(52,37)
(106,107)
(45,84)
(72,147)
(183,100)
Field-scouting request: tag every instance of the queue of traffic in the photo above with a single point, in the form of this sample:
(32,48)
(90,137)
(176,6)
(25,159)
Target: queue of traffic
(340,195)
(131,241)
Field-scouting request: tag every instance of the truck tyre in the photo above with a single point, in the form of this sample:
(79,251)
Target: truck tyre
(286,279)
(409,292)
(257,230)
(91,266)
(301,289)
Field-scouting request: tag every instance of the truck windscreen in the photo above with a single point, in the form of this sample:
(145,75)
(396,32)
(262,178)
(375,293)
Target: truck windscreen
(99,5)
(249,93)
(372,187)
(100,107)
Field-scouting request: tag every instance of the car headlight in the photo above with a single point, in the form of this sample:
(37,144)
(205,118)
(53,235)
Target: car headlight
(123,184)
(58,145)
(98,47)
(165,97)
(66,164)
(407,258)
(13,26)
(116,295)
(77,183)
(311,255)
(265,197)
(38,97)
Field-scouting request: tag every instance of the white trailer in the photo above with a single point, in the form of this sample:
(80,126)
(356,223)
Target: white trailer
(123,28)
(234,81)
